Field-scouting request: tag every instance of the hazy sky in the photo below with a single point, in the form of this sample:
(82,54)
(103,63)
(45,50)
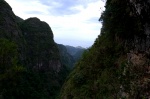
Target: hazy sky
(73,22)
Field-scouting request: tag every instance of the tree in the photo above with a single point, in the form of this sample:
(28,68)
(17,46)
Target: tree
(9,69)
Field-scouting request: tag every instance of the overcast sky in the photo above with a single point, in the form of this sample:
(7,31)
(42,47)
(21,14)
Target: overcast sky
(73,22)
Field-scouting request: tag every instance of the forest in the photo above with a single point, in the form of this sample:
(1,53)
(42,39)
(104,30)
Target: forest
(116,66)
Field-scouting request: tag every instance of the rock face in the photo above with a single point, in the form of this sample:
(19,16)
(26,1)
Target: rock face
(118,64)
(66,58)
(8,27)
(10,30)
(36,71)
(139,56)
(32,34)
(142,41)
(42,51)
(76,52)
(70,55)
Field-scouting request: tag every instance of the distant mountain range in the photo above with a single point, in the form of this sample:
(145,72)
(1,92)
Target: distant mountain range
(70,55)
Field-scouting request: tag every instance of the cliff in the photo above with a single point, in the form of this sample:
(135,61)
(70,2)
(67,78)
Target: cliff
(117,65)
(30,64)
(76,52)
(9,29)
(66,58)
(42,51)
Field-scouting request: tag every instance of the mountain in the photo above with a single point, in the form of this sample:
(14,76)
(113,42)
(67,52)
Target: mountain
(117,65)
(30,62)
(72,50)
(19,20)
(9,28)
(42,53)
(76,52)
(66,58)
(70,55)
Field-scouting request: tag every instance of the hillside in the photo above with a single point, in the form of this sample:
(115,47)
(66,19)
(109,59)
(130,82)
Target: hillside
(76,52)
(42,51)
(66,58)
(9,28)
(30,62)
(117,65)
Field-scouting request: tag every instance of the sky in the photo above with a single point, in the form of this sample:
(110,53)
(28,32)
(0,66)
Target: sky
(73,22)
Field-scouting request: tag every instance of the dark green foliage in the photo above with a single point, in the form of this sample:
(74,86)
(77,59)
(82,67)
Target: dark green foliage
(94,76)
(118,17)
(70,55)
(8,54)
(45,69)
(77,56)
(9,69)
(30,65)
(105,71)
(18,19)
(76,52)
(73,50)
(41,47)
(10,30)
(66,58)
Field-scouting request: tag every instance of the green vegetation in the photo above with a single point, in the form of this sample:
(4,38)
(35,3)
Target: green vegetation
(113,67)
(70,55)
(10,70)
(75,52)
(41,47)
(30,64)
(66,58)
(33,66)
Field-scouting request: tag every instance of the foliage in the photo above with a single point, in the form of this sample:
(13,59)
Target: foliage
(30,66)
(76,52)
(9,69)
(41,47)
(100,72)
(66,58)
(44,78)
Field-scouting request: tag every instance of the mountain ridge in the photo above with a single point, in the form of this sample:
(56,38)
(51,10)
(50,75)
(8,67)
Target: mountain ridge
(116,66)
(30,64)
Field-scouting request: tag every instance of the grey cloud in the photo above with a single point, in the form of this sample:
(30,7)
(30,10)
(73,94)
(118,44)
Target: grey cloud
(65,6)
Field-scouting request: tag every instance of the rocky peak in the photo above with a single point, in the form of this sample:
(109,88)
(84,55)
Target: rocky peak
(32,64)
(8,26)
(42,50)
(35,25)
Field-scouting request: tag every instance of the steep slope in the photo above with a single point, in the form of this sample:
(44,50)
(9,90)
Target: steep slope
(30,65)
(18,19)
(117,65)
(43,58)
(9,28)
(76,52)
(43,53)
(71,50)
(66,58)
(77,56)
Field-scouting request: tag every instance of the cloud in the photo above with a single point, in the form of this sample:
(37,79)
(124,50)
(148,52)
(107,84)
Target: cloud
(65,7)
(60,7)
(72,21)
(34,12)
